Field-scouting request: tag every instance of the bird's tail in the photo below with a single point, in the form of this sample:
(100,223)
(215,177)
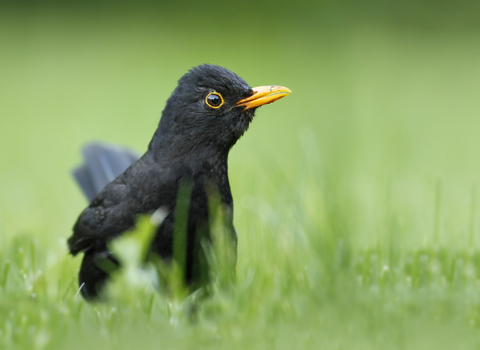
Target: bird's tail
(102,164)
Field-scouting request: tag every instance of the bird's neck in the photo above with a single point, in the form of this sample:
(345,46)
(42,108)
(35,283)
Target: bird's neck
(205,164)
(198,156)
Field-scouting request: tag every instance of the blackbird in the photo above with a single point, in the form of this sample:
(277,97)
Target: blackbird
(206,114)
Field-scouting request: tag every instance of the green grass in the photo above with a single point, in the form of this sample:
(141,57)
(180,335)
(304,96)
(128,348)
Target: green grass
(356,198)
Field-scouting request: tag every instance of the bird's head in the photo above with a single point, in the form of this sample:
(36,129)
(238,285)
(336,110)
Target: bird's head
(211,108)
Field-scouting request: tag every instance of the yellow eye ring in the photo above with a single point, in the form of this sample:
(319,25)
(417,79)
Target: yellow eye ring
(214,100)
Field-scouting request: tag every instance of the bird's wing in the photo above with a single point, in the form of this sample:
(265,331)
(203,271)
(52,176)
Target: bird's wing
(103,163)
(107,216)
(115,208)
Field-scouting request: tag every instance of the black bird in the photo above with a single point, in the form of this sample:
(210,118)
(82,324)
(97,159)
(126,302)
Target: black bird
(207,113)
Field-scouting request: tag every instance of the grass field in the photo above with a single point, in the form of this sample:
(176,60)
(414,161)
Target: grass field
(356,198)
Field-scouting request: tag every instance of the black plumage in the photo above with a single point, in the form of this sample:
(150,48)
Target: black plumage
(103,163)
(207,113)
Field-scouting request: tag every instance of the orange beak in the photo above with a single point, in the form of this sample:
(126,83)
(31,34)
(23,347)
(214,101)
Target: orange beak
(263,95)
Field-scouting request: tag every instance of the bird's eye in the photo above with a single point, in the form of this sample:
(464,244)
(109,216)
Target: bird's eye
(214,100)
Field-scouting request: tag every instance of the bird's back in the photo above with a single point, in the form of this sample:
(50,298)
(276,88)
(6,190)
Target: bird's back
(102,164)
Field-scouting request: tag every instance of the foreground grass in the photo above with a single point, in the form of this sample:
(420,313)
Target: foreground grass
(302,283)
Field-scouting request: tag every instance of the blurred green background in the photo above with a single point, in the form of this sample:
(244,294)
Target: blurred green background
(387,90)
(384,115)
